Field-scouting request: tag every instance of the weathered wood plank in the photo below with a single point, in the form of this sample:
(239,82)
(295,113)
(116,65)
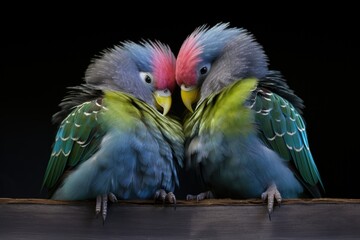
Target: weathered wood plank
(211,219)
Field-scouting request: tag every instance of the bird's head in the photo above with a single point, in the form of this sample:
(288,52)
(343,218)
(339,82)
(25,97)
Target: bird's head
(145,70)
(211,58)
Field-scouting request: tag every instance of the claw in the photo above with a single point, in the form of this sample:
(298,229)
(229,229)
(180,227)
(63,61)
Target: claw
(160,195)
(170,197)
(98,205)
(200,196)
(270,194)
(163,196)
(112,198)
(102,204)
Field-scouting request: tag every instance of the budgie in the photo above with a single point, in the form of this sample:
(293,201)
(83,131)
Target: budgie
(114,139)
(246,136)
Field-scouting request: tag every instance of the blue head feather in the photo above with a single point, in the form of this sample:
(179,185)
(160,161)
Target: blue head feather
(214,39)
(142,54)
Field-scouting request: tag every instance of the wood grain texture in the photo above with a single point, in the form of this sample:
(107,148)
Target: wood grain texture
(210,219)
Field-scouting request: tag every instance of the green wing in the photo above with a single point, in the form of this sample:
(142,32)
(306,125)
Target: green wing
(77,138)
(282,129)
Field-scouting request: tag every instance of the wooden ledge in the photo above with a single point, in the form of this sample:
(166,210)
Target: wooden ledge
(206,202)
(324,218)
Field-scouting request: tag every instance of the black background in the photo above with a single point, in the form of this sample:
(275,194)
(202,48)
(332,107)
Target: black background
(42,54)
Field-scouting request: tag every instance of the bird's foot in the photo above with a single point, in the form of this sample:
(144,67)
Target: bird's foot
(161,195)
(102,202)
(200,196)
(270,194)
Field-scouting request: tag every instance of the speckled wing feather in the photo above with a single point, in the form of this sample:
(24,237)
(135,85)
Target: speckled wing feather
(77,138)
(283,130)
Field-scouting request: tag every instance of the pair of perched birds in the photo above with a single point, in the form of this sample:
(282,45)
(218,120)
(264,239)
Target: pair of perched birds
(244,133)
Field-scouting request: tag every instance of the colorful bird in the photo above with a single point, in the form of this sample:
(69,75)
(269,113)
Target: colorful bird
(246,136)
(113,142)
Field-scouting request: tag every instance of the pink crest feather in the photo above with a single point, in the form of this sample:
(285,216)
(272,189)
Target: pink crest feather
(187,60)
(164,67)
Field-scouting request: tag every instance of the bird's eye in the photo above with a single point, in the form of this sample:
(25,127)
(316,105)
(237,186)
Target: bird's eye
(204,69)
(146,77)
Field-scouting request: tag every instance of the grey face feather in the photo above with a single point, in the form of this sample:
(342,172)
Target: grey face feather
(118,69)
(241,57)
(238,55)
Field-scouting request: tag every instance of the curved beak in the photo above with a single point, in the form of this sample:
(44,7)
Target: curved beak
(163,100)
(189,95)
